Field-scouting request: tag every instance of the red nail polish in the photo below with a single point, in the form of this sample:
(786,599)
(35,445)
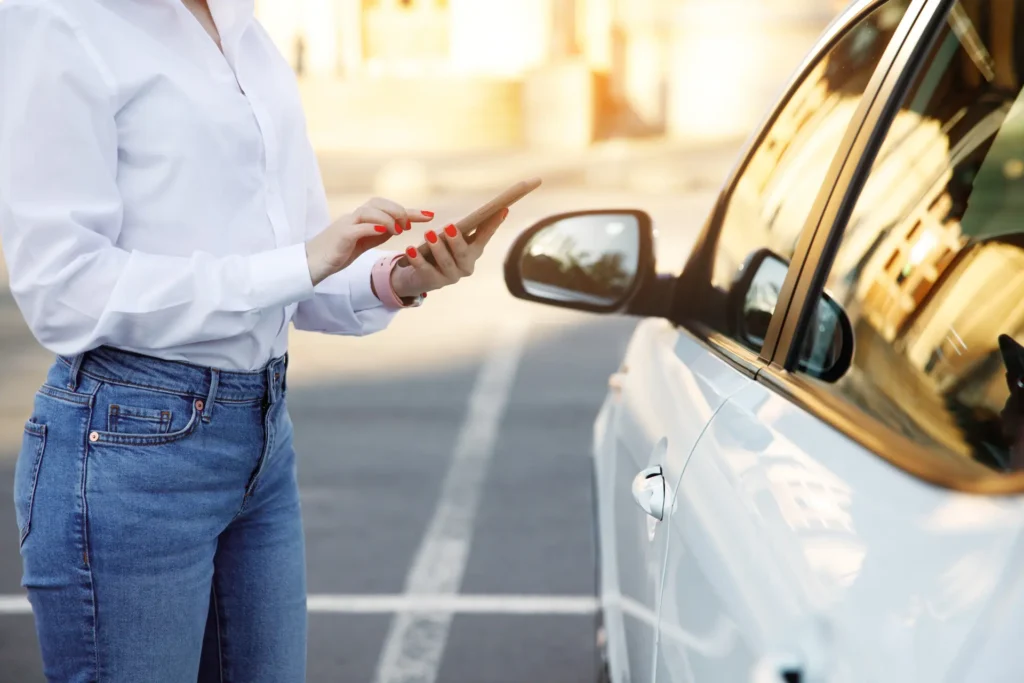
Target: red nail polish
(411,252)
(424,295)
(408,224)
(432,237)
(398,228)
(380,228)
(428,214)
(451,231)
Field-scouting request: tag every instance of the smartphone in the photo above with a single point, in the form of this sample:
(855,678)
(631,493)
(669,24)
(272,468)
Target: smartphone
(468,225)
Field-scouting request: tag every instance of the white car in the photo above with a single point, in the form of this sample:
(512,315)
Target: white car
(810,465)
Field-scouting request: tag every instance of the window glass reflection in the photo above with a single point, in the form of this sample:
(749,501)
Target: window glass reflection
(775,193)
(931,266)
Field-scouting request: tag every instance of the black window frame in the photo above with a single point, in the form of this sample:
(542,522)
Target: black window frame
(694,295)
(926,463)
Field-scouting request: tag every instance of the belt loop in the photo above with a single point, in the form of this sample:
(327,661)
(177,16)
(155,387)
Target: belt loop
(76,365)
(272,376)
(208,408)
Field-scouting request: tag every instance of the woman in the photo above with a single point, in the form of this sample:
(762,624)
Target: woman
(164,221)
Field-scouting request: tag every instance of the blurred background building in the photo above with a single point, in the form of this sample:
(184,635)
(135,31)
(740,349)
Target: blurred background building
(456,75)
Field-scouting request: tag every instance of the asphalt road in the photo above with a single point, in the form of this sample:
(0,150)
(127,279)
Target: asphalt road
(378,423)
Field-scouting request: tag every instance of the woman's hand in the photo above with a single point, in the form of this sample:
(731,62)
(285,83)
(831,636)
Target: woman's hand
(455,259)
(352,235)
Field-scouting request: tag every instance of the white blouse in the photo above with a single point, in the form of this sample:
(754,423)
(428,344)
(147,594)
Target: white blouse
(156,193)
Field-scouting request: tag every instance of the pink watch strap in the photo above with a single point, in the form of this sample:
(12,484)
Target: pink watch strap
(380,275)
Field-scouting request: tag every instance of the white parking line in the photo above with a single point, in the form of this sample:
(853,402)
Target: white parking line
(415,642)
(410,604)
(452,604)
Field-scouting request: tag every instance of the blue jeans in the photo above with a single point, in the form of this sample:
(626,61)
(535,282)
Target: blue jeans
(160,526)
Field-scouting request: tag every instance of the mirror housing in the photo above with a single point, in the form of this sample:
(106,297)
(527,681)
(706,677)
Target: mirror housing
(827,351)
(595,261)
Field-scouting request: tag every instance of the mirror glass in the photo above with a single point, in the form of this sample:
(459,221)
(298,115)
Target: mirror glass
(823,345)
(761,297)
(589,259)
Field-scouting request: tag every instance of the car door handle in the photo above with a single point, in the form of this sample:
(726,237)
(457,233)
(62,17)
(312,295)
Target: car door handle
(649,491)
(778,669)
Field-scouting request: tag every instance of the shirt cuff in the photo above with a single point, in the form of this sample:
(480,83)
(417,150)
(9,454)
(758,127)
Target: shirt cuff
(360,290)
(280,277)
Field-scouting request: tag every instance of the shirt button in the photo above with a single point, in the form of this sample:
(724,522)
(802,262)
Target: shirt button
(200,405)
(94,437)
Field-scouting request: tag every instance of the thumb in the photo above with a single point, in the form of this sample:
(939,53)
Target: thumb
(486,231)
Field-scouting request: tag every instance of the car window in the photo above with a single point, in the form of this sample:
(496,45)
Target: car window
(773,196)
(930,268)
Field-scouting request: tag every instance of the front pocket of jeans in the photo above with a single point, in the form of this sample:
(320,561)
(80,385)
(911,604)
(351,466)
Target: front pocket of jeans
(124,419)
(122,439)
(26,475)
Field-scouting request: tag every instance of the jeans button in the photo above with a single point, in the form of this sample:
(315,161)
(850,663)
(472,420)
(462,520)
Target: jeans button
(200,405)
(94,437)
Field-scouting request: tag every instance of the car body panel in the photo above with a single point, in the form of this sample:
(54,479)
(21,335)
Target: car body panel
(669,389)
(789,541)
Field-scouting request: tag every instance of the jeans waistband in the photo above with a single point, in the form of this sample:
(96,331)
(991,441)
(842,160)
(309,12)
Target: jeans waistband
(108,364)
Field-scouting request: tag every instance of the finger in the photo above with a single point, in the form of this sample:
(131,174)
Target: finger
(363,231)
(427,276)
(487,229)
(367,236)
(420,215)
(399,213)
(445,262)
(377,217)
(393,209)
(457,245)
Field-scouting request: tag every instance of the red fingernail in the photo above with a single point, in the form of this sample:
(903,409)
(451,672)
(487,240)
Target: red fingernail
(451,231)
(380,228)
(411,251)
(398,228)
(428,214)
(432,237)
(424,295)
(408,224)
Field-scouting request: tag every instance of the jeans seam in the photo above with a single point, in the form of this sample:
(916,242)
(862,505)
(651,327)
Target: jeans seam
(85,551)
(220,641)
(68,361)
(65,396)
(38,432)
(164,390)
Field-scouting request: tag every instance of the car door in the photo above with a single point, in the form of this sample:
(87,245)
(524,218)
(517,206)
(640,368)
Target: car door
(831,523)
(675,379)
(664,371)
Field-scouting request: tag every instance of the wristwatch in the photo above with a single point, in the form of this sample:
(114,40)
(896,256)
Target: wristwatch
(380,278)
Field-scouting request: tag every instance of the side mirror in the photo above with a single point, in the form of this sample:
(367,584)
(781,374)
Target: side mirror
(587,260)
(827,351)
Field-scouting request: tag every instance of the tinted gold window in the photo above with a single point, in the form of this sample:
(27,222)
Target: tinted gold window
(930,269)
(774,194)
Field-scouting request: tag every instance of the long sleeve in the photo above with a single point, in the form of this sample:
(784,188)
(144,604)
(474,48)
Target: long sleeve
(61,213)
(343,303)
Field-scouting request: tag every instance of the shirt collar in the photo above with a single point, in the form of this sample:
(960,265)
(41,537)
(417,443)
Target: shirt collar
(231,17)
